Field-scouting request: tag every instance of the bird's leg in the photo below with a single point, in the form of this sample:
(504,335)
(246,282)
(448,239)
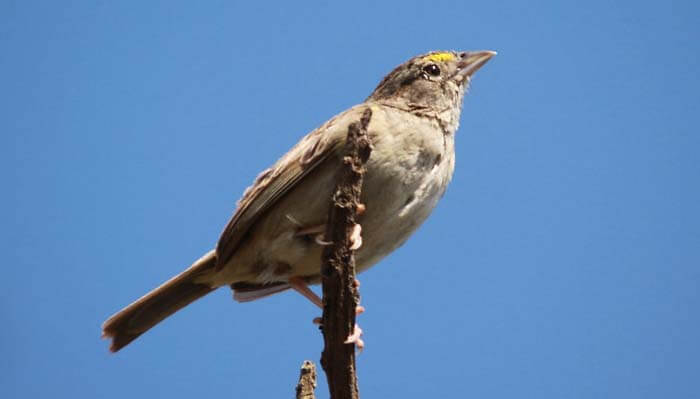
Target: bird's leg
(316,232)
(311,230)
(300,286)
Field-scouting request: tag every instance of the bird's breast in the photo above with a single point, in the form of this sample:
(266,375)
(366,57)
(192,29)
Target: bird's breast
(408,172)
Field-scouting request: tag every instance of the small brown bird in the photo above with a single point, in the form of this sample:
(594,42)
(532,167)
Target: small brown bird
(273,242)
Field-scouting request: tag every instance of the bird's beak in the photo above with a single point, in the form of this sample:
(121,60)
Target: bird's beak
(473,60)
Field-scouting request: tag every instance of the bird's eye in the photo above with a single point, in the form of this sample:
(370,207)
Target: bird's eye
(432,69)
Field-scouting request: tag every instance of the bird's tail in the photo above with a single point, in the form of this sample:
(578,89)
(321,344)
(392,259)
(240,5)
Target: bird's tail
(176,293)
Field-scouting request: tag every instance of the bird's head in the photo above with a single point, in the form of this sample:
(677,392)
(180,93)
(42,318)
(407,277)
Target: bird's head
(436,80)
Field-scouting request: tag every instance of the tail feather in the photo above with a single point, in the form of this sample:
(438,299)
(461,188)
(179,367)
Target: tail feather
(173,295)
(244,292)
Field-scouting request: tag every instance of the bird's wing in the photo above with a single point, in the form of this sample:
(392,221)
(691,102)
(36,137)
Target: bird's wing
(272,184)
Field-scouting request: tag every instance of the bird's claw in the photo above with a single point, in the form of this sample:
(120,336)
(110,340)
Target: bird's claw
(356,237)
(355,338)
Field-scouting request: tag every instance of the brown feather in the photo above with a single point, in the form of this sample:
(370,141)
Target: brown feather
(178,292)
(271,185)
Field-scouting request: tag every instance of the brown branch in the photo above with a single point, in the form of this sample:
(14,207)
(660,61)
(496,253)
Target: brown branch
(340,296)
(307,381)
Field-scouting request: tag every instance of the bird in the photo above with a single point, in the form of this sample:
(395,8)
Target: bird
(274,240)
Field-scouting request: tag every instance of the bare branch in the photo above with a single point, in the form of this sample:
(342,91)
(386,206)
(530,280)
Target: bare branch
(340,296)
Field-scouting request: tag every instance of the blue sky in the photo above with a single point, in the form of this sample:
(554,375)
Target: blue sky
(563,262)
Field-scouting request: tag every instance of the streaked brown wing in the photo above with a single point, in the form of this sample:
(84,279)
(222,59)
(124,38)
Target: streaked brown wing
(272,184)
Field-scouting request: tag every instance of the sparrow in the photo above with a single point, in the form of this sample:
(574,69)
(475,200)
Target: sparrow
(274,240)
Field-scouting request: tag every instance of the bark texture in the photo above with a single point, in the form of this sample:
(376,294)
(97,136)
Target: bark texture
(340,296)
(307,381)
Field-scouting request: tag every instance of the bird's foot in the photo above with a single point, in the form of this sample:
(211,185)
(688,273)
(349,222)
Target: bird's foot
(355,338)
(356,237)
(300,286)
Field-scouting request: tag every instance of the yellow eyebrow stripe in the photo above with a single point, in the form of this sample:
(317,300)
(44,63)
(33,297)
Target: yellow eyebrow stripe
(440,57)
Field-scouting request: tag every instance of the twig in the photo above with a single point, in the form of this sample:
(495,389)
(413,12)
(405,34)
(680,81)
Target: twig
(340,296)
(307,381)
